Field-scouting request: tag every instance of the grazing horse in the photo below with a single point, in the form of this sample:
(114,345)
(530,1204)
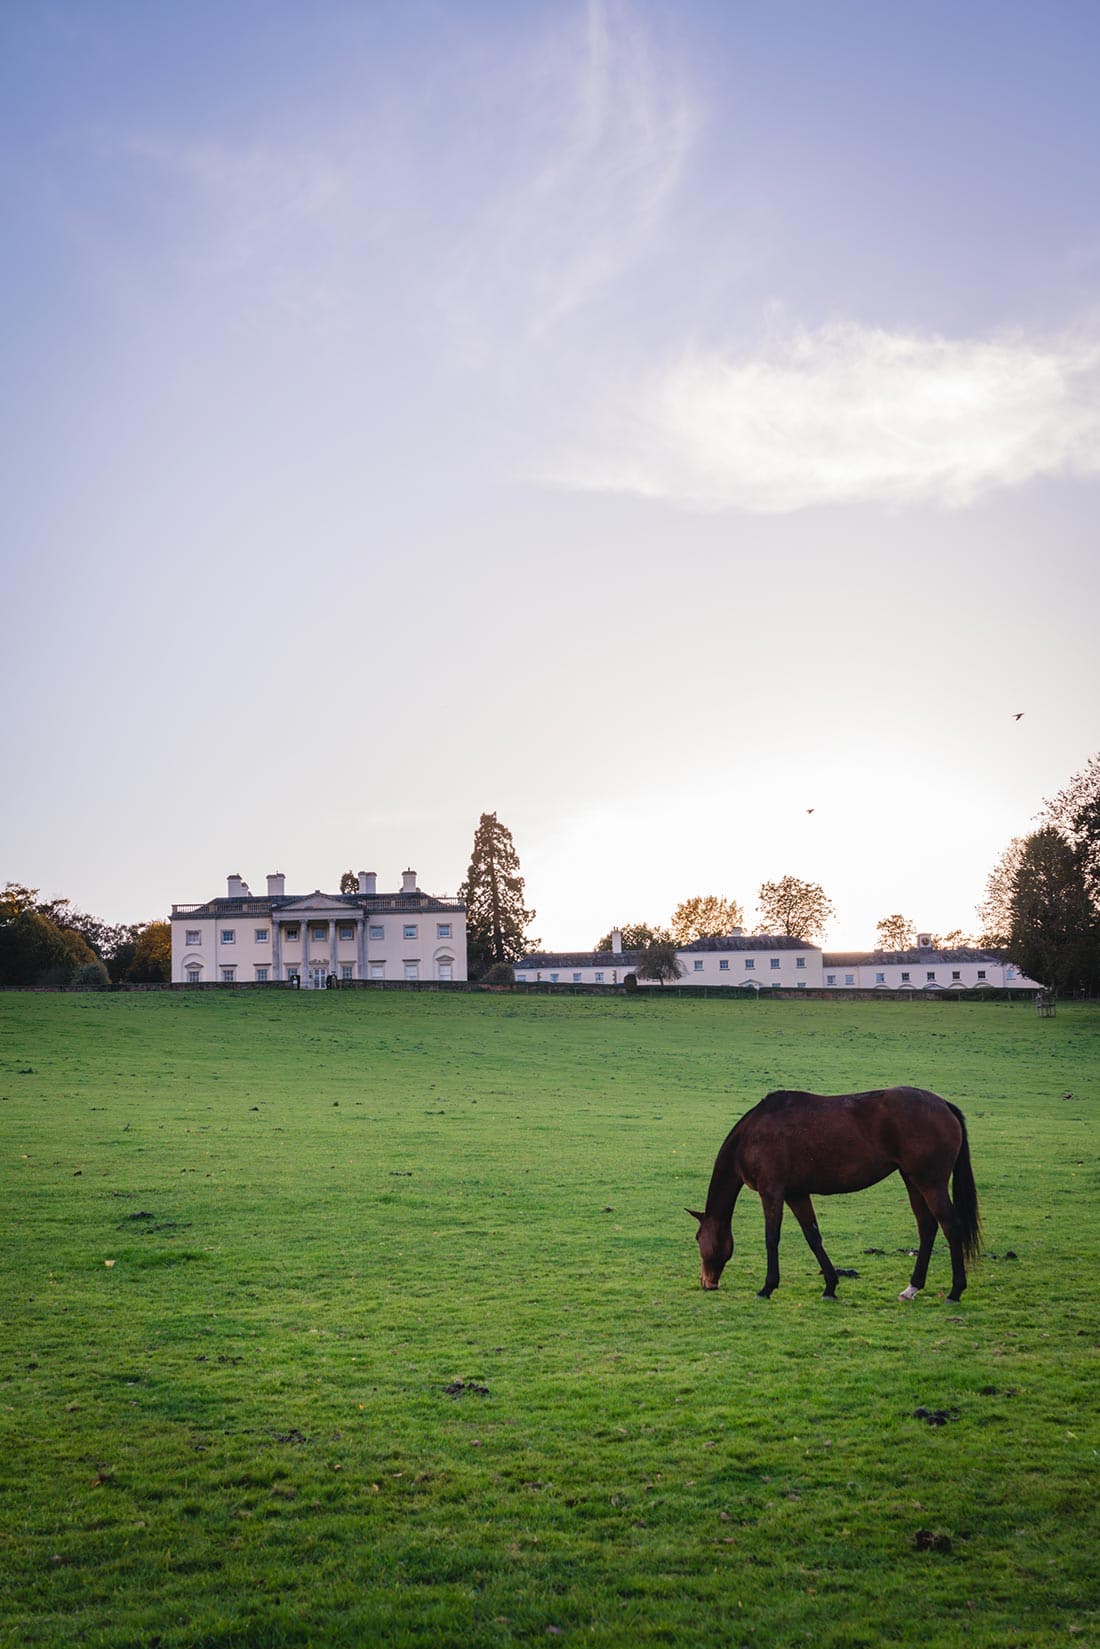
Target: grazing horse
(793,1146)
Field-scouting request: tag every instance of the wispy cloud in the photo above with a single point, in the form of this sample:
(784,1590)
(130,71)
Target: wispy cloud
(850,414)
(603,129)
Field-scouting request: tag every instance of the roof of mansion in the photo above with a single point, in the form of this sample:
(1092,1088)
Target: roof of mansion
(316,903)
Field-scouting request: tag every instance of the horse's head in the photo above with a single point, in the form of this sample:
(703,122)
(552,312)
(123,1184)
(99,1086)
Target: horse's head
(715,1239)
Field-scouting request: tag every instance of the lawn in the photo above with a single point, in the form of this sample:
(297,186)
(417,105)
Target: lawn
(356,1318)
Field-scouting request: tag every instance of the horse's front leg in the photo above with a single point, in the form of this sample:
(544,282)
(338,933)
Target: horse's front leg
(773,1220)
(803,1210)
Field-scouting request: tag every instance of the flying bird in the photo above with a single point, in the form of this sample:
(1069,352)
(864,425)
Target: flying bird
(1019,714)
(809,810)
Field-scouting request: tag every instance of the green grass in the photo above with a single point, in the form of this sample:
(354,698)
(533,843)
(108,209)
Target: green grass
(250,1241)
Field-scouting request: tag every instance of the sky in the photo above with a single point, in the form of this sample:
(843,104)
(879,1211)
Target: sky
(648,422)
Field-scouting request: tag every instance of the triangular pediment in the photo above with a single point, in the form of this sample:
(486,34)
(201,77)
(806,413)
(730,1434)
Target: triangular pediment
(314,904)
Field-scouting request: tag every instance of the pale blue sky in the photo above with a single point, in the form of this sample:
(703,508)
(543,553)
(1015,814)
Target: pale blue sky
(645,421)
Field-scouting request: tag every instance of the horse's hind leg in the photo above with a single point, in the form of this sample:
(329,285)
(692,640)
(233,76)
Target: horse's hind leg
(803,1210)
(943,1210)
(926,1231)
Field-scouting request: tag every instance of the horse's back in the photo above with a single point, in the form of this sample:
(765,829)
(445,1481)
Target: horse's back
(840,1142)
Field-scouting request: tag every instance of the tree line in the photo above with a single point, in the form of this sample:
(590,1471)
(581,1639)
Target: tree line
(51,942)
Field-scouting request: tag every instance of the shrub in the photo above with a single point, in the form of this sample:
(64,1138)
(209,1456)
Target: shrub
(92,976)
(501,973)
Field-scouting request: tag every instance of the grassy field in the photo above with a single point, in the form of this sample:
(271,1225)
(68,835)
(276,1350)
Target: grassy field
(345,1319)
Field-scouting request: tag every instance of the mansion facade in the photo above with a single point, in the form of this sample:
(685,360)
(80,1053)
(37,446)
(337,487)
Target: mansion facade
(308,939)
(761,961)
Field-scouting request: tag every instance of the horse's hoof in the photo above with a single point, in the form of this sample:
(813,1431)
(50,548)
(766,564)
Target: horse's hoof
(763,1294)
(831,1297)
(909,1293)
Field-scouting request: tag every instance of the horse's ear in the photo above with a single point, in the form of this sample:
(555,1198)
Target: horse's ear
(695,1215)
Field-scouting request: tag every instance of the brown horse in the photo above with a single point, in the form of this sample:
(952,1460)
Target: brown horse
(793,1146)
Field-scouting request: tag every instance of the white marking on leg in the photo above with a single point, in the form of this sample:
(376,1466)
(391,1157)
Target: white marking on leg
(909,1293)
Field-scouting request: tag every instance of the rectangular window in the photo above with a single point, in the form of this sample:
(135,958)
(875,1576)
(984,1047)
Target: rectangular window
(409,931)
(378,970)
(905,979)
(261,936)
(443,930)
(697,965)
(345,970)
(228,975)
(750,964)
(849,978)
(376,932)
(576,979)
(774,963)
(801,984)
(931,974)
(261,976)
(599,978)
(319,933)
(981,973)
(800,961)
(446,972)
(521,979)
(194,936)
(830,978)
(412,970)
(724,965)
(347,933)
(229,936)
(880,979)
(956,973)
(291,935)
(194,975)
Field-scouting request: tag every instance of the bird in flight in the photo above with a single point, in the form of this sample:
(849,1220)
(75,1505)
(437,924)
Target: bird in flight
(809,810)
(1019,715)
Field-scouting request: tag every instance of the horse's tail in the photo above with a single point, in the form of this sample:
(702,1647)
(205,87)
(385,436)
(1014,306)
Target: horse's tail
(964,1195)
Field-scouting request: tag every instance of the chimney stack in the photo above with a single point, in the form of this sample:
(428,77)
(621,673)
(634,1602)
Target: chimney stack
(368,882)
(276,885)
(616,941)
(408,881)
(238,887)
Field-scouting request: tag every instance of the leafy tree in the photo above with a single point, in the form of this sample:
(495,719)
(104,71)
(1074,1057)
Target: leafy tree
(895,932)
(15,899)
(1054,934)
(493,893)
(660,962)
(92,976)
(34,951)
(705,916)
(995,911)
(636,936)
(954,939)
(151,963)
(1075,811)
(798,909)
(349,882)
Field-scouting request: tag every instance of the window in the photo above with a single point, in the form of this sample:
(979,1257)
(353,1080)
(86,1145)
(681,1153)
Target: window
(412,970)
(446,970)
(228,975)
(261,976)
(905,979)
(261,936)
(345,970)
(774,963)
(801,984)
(724,965)
(292,934)
(599,978)
(956,973)
(576,979)
(849,978)
(800,961)
(697,965)
(750,964)
(880,979)
(409,931)
(521,979)
(194,936)
(931,974)
(378,970)
(319,933)
(443,930)
(830,978)
(376,931)
(347,933)
(981,973)
(229,936)
(194,975)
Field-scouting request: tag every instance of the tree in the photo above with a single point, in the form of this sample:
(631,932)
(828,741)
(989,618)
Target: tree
(798,909)
(995,911)
(1075,811)
(659,962)
(705,916)
(895,932)
(349,882)
(1054,934)
(955,939)
(34,951)
(636,936)
(151,963)
(493,893)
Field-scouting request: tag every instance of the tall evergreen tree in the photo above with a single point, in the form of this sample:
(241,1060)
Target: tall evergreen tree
(493,892)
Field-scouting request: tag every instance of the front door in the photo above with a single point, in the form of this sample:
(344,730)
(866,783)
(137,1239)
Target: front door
(317,977)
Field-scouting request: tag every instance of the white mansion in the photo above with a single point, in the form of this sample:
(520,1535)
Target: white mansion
(760,961)
(247,939)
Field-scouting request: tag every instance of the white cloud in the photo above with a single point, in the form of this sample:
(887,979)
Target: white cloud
(849,414)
